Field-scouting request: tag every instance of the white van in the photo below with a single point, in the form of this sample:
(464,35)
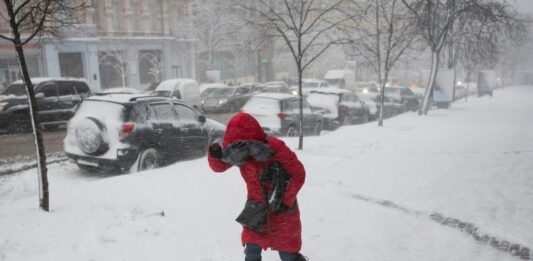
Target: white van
(344,79)
(186,90)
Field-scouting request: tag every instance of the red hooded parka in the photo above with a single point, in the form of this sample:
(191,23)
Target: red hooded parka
(283,232)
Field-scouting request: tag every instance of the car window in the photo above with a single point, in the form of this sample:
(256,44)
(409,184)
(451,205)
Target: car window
(139,113)
(306,107)
(65,88)
(346,97)
(48,89)
(177,94)
(82,89)
(163,111)
(185,113)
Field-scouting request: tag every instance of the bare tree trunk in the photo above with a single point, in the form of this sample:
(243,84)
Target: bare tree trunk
(300,103)
(432,78)
(39,145)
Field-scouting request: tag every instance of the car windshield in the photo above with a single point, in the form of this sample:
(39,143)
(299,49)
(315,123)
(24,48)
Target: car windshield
(15,89)
(392,90)
(223,92)
(262,105)
(310,84)
(161,93)
(334,82)
(208,91)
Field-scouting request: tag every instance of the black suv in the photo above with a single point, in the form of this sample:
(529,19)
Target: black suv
(132,132)
(57,100)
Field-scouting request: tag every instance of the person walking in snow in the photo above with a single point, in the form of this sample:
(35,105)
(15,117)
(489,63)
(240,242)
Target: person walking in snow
(246,146)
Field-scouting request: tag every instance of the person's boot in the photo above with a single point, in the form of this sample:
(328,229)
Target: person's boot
(300,257)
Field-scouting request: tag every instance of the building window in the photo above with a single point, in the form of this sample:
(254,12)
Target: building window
(150,66)
(71,65)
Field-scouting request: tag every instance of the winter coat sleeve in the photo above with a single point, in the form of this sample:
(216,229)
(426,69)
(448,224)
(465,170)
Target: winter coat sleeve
(292,165)
(216,164)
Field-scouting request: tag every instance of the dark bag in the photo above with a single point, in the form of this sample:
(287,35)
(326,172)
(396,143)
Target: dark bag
(253,215)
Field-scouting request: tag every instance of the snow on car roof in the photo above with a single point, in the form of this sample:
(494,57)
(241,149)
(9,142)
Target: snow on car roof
(169,85)
(278,96)
(331,90)
(38,80)
(117,97)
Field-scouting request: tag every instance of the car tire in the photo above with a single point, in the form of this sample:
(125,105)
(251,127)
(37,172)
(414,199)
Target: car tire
(232,107)
(366,118)
(91,136)
(318,129)
(19,124)
(347,120)
(148,159)
(291,132)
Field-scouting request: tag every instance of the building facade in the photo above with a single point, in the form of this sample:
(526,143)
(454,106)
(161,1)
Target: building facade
(117,43)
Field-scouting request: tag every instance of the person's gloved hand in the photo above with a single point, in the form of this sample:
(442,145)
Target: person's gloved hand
(283,208)
(215,151)
(236,153)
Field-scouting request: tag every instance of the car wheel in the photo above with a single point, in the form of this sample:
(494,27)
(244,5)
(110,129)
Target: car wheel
(291,132)
(347,120)
(19,124)
(232,108)
(148,159)
(365,118)
(91,136)
(318,129)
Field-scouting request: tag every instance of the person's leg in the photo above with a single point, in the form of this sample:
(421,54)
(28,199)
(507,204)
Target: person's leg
(286,256)
(252,252)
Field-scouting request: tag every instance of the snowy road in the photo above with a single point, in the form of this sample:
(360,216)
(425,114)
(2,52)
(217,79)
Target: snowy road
(370,194)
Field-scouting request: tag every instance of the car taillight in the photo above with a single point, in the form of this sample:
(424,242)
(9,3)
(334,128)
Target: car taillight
(282,115)
(127,129)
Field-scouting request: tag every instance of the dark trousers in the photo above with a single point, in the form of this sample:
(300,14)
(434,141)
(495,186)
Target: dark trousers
(253,253)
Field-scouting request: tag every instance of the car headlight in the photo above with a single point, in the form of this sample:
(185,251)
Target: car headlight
(3,105)
(221,101)
(295,92)
(203,102)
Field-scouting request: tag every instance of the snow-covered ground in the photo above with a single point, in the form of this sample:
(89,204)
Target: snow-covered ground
(369,195)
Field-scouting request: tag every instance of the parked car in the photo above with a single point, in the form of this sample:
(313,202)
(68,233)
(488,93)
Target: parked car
(186,90)
(338,107)
(206,89)
(278,114)
(120,90)
(229,99)
(403,95)
(57,100)
(275,89)
(136,132)
(276,84)
(372,100)
(254,87)
(308,85)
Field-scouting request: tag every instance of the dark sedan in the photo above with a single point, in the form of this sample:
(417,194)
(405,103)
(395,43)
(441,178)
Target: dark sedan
(338,107)
(229,99)
(372,100)
(278,114)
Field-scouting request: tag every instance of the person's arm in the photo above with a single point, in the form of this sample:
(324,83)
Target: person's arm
(292,165)
(214,154)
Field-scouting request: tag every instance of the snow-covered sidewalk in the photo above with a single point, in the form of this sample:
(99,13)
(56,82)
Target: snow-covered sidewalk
(369,195)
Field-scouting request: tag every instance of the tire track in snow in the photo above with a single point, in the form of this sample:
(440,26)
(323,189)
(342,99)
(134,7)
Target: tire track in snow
(517,250)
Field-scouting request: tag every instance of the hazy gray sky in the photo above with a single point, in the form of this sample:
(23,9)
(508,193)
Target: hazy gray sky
(524,6)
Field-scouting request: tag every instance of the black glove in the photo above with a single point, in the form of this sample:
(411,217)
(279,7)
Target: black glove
(215,151)
(283,208)
(236,153)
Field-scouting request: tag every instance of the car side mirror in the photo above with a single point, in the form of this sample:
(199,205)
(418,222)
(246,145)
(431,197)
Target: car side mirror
(201,118)
(39,95)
